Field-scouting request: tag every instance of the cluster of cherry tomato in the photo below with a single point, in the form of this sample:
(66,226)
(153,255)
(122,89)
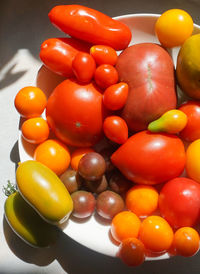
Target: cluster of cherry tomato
(145,220)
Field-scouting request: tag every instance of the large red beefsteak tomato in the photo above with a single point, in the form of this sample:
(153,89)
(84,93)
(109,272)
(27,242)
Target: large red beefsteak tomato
(150,158)
(75,113)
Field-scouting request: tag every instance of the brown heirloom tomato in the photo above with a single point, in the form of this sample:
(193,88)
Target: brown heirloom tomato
(75,113)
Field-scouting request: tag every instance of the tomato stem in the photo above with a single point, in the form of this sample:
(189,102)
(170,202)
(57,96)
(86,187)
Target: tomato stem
(9,189)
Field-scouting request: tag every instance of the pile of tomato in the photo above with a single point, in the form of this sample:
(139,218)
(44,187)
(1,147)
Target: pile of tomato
(135,180)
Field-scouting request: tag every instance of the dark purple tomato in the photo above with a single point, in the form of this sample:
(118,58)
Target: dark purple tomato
(118,183)
(92,166)
(84,204)
(70,180)
(106,153)
(97,186)
(108,204)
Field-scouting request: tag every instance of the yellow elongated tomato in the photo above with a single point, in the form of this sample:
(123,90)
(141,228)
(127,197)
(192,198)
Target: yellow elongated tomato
(192,160)
(27,224)
(172,121)
(173,27)
(44,191)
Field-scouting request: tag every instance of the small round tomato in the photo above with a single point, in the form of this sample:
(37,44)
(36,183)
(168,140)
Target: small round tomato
(125,225)
(115,129)
(77,154)
(179,202)
(186,241)
(54,155)
(191,132)
(35,130)
(83,67)
(192,160)
(173,27)
(156,234)
(142,200)
(105,76)
(103,55)
(115,96)
(132,252)
(30,102)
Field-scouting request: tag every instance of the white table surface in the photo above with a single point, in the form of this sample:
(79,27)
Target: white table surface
(24,25)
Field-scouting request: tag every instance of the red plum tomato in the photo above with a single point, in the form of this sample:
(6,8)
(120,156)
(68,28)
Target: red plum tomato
(105,76)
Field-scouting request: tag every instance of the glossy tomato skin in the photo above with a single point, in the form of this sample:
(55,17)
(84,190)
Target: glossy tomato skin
(191,132)
(179,202)
(150,158)
(90,25)
(57,54)
(103,54)
(75,113)
(105,76)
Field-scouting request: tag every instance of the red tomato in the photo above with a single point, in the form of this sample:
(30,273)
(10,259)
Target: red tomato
(105,76)
(179,202)
(75,113)
(115,96)
(103,55)
(90,25)
(83,67)
(150,158)
(115,129)
(57,54)
(191,132)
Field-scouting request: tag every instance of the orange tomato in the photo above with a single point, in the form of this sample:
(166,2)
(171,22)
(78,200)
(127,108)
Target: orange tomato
(142,200)
(35,130)
(125,225)
(192,160)
(186,241)
(30,102)
(132,252)
(103,55)
(156,234)
(54,155)
(77,154)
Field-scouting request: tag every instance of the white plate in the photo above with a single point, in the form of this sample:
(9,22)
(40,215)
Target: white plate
(94,233)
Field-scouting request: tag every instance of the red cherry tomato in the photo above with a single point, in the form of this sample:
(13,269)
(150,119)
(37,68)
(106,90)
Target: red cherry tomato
(75,113)
(179,202)
(115,96)
(115,129)
(104,55)
(83,67)
(191,132)
(90,25)
(150,158)
(105,76)
(57,54)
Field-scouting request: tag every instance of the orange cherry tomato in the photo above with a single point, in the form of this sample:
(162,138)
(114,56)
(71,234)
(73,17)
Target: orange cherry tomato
(83,67)
(186,241)
(192,160)
(132,252)
(115,96)
(77,154)
(35,130)
(30,102)
(125,225)
(103,55)
(115,129)
(54,155)
(105,76)
(156,234)
(142,200)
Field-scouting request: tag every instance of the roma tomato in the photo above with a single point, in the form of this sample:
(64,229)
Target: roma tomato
(115,96)
(75,113)
(105,76)
(179,202)
(103,55)
(115,129)
(192,160)
(150,158)
(191,132)
(83,67)
(90,25)
(57,54)
(173,27)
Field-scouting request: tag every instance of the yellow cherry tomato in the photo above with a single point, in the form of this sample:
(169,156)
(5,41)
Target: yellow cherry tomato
(173,27)
(172,121)
(192,160)
(42,189)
